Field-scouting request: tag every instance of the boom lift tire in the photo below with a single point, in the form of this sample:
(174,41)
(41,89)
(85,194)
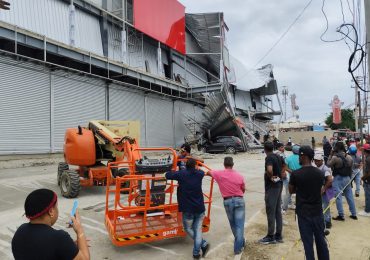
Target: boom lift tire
(70,184)
(62,166)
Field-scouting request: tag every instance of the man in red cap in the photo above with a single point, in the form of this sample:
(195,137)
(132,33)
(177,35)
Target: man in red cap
(366,181)
(38,240)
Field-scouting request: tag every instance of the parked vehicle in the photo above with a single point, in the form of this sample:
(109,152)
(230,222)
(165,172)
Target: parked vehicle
(223,144)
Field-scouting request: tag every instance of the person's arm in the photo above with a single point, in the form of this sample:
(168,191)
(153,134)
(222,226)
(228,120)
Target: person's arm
(4,5)
(269,171)
(243,186)
(83,253)
(172,175)
(366,174)
(331,160)
(195,158)
(292,184)
(328,182)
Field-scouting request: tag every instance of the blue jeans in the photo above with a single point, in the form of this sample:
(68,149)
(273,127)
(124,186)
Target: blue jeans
(367,197)
(310,227)
(325,204)
(339,183)
(357,179)
(235,210)
(193,226)
(287,197)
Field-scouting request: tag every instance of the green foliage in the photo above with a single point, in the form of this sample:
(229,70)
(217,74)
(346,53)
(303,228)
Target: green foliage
(348,121)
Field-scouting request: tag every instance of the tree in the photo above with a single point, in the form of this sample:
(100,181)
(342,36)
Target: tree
(348,121)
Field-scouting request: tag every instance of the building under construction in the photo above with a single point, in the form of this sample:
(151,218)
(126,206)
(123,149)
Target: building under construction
(66,62)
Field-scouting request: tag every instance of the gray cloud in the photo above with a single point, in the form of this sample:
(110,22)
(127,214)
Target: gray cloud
(311,69)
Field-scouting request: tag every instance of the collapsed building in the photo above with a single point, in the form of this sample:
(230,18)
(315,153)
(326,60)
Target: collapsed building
(66,62)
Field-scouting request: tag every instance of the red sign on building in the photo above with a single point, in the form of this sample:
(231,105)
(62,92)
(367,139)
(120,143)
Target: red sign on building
(336,105)
(163,20)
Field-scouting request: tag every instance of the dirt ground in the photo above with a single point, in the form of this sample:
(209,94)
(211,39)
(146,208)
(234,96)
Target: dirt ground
(18,176)
(348,240)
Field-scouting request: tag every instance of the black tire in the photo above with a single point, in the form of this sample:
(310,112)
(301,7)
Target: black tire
(62,166)
(70,184)
(230,150)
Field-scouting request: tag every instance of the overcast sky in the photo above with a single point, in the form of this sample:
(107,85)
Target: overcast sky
(312,69)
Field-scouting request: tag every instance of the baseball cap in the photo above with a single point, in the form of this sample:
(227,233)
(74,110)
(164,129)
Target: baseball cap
(295,149)
(318,157)
(306,150)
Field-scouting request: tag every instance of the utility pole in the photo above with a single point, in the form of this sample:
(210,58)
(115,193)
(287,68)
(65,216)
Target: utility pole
(367,21)
(356,107)
(359,115)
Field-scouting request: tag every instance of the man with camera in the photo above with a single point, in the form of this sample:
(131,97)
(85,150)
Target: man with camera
(341,164)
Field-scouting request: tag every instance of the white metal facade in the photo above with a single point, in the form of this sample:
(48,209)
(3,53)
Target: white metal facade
(37,105)
(25,110)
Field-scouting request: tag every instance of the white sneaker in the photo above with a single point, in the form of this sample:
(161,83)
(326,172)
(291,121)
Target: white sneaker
(283,212)
(364,214)
(292,206)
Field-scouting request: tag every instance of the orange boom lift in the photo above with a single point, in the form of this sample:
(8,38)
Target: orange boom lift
(91,149)
(141,205)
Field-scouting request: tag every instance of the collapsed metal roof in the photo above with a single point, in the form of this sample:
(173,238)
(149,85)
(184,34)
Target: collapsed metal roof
(206,30)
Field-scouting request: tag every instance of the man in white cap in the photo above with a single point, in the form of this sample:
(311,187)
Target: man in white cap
(319,162)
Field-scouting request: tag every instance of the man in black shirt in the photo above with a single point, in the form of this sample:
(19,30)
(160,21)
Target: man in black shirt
(274,166)
(191,204)
(307,183)
(38,240)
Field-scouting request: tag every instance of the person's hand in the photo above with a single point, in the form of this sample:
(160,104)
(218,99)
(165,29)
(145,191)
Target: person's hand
(4,5)
(76,223)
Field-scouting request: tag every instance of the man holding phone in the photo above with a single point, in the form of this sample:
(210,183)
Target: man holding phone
(38,240)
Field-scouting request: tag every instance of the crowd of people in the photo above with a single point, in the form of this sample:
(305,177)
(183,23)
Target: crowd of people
(306,173)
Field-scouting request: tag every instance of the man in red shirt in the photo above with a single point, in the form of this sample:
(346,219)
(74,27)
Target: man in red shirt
(232,188)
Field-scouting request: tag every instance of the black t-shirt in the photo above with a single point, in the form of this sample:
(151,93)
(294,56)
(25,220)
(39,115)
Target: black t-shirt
(308,182)
(277,163)
(42,242)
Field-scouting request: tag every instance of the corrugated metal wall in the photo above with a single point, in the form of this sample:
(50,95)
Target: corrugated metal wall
(183,112)
(125,105)
(178,68)
(243,100)
(24,110)
(51,18)
(160,126)
(75,103)
(38,105)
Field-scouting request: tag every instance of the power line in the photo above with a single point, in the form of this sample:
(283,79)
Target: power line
(285,33)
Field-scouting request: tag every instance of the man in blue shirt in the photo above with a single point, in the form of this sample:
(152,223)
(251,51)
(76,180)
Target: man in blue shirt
(191,204)
(292,164)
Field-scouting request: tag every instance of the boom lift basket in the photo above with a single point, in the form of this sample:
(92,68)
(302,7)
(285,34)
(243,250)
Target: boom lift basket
(142,207)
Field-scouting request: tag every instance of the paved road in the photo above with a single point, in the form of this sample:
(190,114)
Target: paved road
(15,184)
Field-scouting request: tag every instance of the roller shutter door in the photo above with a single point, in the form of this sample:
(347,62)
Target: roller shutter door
(159,119)
(183,112)
(25,110)
(75,103)
(127,106)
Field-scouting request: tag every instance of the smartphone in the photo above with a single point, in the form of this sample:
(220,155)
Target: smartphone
(73,211)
